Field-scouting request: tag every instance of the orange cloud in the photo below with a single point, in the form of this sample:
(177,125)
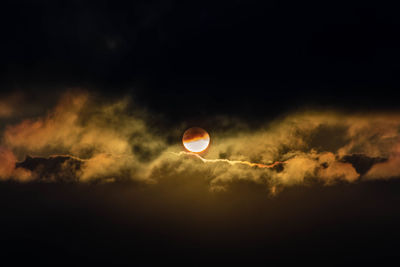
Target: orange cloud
(113,144)
(8,170)
(105,135)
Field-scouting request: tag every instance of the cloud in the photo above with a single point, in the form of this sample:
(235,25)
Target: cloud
(111,141)
(386,169)
(8,169)
(117,141)
(315,146)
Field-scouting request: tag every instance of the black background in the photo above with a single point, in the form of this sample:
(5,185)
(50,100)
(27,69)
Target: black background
(245,58)
(194,60)
(119,224)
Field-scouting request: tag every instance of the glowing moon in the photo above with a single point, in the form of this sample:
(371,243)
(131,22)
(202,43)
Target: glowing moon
(195,140)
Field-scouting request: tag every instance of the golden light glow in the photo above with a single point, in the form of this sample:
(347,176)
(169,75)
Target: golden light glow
(196,140)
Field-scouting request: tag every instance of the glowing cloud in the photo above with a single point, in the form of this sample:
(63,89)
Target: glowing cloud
(106,141)
(231,162)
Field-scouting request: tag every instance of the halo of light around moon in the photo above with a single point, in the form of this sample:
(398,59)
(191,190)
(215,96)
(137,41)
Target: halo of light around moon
(195,140)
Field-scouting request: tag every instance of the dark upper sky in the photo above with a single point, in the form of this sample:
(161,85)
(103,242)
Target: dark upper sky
(245,58)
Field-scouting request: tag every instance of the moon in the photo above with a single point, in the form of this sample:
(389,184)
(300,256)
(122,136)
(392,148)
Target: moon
(195,140)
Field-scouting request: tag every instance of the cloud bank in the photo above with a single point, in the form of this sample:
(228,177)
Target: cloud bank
(99,140)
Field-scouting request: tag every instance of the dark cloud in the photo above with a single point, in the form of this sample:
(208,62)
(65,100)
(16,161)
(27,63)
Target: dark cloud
(56,169)
(362,163)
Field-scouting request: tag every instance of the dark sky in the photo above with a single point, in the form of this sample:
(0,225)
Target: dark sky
(193,61)
(244,57)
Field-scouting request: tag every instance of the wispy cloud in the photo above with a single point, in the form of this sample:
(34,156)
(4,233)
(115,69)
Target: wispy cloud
(113,142)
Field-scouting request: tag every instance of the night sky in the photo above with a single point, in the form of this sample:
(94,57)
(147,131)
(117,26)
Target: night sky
(95,97)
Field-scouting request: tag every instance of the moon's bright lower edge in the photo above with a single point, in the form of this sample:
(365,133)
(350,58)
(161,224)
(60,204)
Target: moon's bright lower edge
(196,140)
